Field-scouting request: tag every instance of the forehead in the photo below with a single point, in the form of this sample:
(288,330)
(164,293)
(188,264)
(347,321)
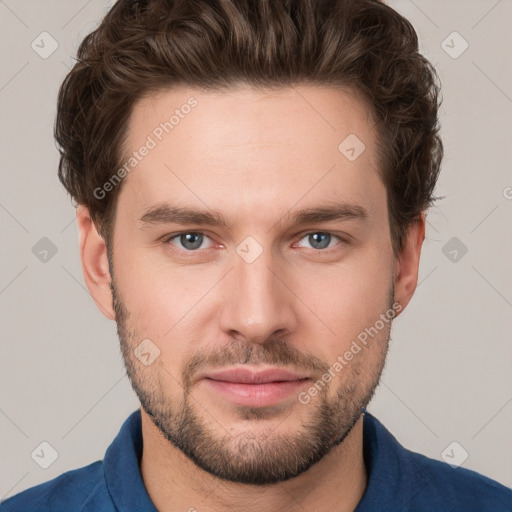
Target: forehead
(248,148)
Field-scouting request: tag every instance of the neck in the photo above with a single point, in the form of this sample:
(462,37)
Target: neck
(174,483)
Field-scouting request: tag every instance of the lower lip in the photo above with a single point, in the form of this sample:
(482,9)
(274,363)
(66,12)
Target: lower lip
(256,395)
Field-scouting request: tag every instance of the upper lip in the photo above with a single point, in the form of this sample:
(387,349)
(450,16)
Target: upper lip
(246,376)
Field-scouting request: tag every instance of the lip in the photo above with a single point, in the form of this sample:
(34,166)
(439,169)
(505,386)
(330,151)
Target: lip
(255,389)
(247,376)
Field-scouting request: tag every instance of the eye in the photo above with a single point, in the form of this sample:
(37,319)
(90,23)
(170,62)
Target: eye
(320,240)
(190,240)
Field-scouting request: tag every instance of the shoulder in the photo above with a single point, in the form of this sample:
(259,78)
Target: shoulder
(457,489)
(81,489)
(403,480)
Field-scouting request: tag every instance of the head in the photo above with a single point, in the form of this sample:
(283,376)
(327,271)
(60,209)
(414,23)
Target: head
(252,181)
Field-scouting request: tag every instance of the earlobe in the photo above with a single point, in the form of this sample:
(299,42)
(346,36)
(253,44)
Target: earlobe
(93,253)
(407,262)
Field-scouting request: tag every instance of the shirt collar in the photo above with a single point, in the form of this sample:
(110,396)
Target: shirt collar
(122,468)
(390,470)
(393,477)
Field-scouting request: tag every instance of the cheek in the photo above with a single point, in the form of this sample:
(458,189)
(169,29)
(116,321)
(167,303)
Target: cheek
(349,297)
(161,297)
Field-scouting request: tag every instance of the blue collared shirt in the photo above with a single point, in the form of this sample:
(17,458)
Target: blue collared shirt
(398,480)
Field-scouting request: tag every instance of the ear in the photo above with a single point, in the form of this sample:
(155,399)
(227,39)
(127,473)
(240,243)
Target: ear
(408,261)
(93,253)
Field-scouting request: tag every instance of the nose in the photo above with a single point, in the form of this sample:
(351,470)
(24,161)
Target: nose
(257,301)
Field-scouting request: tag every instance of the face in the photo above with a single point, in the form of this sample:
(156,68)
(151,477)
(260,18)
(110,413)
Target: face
(297,275)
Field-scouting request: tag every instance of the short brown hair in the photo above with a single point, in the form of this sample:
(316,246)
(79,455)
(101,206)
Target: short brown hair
(145,46)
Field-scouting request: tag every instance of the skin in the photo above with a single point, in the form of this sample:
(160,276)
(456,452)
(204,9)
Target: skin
(255,156)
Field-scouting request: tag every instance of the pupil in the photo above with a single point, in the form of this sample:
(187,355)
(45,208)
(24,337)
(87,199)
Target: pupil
(323,243)
(188,239)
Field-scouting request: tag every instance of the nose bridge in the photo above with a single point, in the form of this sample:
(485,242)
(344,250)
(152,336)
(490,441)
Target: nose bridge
(256,302)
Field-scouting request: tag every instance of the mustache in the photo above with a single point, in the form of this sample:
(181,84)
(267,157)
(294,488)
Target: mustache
(274,352)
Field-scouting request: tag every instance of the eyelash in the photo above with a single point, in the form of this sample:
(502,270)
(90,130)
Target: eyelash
(168,238)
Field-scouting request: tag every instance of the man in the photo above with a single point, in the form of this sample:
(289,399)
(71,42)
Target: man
(252,179)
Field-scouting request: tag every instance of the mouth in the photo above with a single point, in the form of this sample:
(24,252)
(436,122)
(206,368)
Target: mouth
(248,376)
(257,389)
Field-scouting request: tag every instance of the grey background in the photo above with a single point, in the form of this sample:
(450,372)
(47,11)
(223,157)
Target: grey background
(448,375)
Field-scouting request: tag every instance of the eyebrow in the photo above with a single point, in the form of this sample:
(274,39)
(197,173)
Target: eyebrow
(167,214)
